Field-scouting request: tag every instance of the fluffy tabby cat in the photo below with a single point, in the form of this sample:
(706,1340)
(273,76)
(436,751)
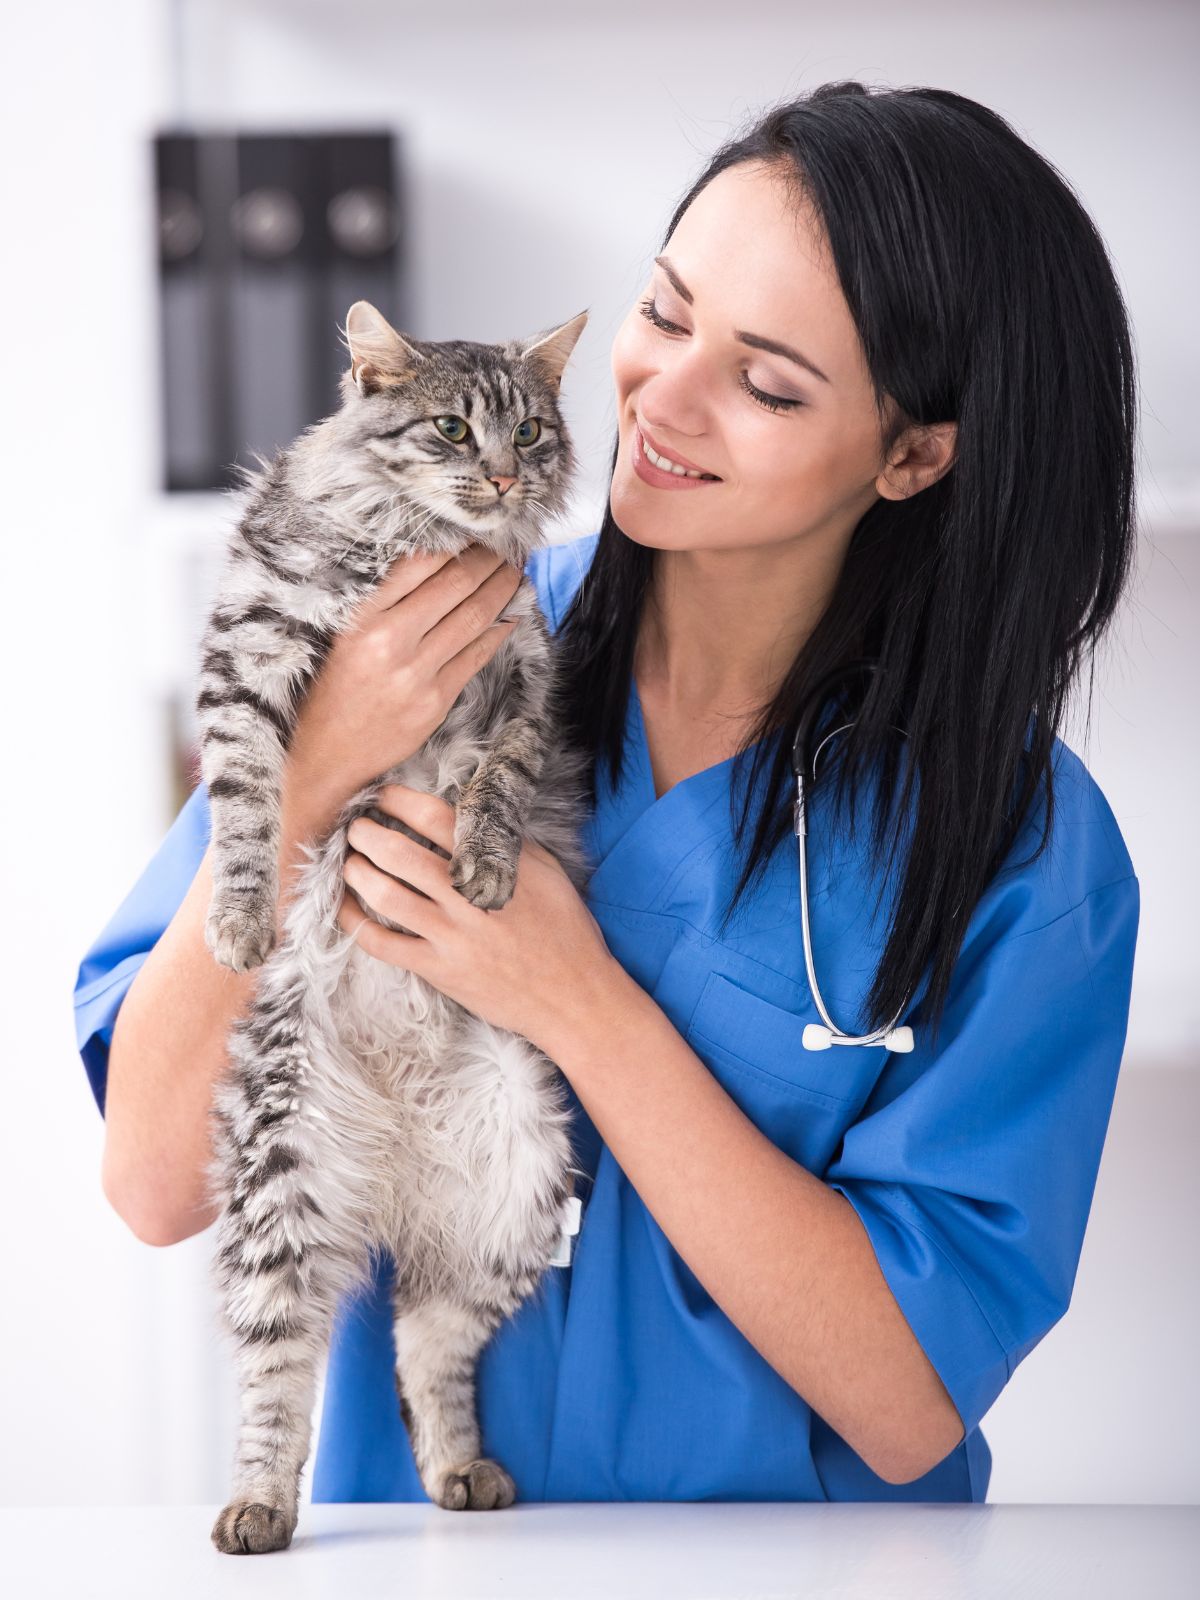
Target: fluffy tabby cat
(364,1110)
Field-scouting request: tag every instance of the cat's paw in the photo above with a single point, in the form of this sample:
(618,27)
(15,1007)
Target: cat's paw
(482,1486)
(239,939)
(483,877)
(249,1528)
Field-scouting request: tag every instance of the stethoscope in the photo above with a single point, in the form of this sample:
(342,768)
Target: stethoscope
(804,766)
(814,1037)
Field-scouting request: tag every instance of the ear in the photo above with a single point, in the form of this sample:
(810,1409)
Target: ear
(551,350)
(380,358)
(918,458)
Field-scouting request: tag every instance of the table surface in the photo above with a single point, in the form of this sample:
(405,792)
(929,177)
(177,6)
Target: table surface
(530,1551)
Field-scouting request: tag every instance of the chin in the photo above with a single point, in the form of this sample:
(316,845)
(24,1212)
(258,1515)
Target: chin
(643,523)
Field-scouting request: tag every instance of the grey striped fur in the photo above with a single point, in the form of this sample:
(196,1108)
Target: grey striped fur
(364,1111)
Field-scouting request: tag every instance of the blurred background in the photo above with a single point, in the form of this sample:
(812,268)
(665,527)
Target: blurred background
(195,192)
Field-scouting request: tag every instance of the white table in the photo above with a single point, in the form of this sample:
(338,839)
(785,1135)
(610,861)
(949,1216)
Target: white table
(622,1552)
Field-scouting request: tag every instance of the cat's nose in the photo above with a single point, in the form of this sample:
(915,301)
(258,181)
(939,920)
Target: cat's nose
(502,484)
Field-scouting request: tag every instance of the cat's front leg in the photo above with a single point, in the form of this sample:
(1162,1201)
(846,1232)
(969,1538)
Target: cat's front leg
(253,673)
(244,799)
(490,816)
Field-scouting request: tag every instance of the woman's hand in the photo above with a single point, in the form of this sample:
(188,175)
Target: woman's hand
(392,675)
(523,967)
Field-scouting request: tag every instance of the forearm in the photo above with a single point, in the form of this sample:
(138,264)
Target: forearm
(784,1256)
(169,1047)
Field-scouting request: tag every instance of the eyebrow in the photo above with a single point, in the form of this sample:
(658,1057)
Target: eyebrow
(756,340)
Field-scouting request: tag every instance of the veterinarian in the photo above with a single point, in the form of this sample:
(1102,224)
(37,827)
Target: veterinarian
(886,342)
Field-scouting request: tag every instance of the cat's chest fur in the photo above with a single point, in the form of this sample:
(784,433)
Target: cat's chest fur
(439,1100)
(431,1117)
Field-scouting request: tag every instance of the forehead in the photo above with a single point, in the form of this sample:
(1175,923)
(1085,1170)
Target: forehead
(755,256)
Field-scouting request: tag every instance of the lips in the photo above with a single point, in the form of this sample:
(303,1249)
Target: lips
(659,477)
(671,455)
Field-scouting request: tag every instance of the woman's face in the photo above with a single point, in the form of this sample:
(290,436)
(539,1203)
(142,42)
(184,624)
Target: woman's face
(743,270)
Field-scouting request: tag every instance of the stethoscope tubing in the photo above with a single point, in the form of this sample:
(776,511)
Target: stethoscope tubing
(816,1036)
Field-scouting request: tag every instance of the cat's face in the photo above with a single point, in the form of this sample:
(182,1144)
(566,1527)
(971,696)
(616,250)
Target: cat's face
(469,432)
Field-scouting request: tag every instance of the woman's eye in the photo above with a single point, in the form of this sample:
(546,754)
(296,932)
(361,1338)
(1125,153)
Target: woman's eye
(772,402)
(649,309)
(527,432)
(452,428)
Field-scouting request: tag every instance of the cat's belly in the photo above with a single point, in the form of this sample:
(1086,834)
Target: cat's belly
(462,1125)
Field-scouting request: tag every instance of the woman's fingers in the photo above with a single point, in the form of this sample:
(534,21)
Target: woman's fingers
(385,944)
(470,618)
(426,814)
(444,586)
(399,856)
(404,575)
(460,669)
(450,579)
(461,588)
(386,895)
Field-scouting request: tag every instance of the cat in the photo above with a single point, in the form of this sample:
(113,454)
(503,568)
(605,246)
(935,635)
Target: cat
(363,1110)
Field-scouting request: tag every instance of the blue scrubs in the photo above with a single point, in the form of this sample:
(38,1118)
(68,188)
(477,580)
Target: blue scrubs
(971,1164)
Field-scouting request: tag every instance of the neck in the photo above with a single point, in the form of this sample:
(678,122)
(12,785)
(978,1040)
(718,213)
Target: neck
(721,627)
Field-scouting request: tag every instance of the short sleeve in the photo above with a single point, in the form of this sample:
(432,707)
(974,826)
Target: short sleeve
(974,1162)
(116,954)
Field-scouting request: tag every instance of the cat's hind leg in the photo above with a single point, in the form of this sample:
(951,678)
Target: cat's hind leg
(438,1341)
(283,1261)
(280,1329)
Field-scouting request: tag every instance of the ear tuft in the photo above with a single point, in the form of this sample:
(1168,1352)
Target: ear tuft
(550,350)
(380,358)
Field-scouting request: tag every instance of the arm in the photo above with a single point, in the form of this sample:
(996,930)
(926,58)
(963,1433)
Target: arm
(784,1256)
(387,683)
(169,1047)
(970,1170)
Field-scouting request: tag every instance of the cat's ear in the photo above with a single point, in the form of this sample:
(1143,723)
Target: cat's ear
(550,350)
(380,358)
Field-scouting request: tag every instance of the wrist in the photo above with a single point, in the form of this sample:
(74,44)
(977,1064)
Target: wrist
(582,1014)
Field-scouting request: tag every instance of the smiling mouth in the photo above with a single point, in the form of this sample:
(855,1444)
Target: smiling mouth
(664,463)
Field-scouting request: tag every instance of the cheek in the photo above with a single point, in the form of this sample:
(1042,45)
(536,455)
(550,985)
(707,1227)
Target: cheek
(629,360)
(815,462)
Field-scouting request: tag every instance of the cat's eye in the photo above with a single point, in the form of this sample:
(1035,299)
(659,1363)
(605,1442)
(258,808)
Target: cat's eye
(452,428)
(527,432)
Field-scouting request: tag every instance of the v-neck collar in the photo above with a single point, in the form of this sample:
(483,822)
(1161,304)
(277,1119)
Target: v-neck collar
(638,839)
(637,735)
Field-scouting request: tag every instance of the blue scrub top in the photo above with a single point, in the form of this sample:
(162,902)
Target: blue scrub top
(971,1164)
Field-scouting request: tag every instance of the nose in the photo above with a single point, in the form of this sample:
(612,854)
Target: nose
(672,402)
(502,485)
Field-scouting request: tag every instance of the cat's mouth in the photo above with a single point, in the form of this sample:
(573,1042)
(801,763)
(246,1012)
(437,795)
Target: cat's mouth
(503,508)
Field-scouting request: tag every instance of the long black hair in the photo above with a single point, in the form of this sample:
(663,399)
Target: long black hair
(983,295)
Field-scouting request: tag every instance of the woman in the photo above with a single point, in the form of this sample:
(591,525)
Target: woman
(887,342)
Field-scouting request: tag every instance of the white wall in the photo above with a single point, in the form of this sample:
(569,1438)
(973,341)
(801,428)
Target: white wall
(1144,751)
(568,133)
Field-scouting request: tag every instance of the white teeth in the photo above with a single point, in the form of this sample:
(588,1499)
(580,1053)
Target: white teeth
(671,466)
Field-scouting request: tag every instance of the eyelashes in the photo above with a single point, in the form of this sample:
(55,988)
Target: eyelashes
(772,402)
